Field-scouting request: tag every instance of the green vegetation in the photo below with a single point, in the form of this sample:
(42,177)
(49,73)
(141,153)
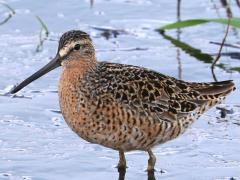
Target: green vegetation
(234,22)
(10,14)
(8,7)
(235,69)
(44,26)
(43,35)
(197,53)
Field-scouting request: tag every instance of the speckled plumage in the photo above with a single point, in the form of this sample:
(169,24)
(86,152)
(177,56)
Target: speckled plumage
(125,107)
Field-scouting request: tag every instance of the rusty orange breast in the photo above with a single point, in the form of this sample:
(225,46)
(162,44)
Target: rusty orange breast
(68,97)
(71,99)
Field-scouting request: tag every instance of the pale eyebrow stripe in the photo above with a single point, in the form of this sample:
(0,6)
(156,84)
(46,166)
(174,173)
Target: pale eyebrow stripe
(67,48)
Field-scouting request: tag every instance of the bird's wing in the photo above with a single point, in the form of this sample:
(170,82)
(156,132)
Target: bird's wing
(149,92)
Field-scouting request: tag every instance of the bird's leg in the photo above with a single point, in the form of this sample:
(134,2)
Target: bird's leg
(122,160)
(151,161)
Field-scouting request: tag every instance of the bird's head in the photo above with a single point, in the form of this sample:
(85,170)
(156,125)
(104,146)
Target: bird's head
(75,45)
(75,48)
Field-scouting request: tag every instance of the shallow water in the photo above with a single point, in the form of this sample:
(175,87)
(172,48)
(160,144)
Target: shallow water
(35,142)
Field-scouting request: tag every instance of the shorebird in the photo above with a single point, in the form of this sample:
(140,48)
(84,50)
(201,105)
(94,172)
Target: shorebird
(124,107)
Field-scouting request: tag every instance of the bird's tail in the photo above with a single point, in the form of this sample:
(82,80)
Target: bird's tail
(212,93)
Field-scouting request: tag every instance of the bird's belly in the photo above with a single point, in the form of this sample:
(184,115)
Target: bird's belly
(114,133)
(118,138)
(104,132)
(117,133)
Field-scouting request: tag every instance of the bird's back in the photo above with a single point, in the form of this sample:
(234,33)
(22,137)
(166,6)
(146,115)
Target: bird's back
(145,89)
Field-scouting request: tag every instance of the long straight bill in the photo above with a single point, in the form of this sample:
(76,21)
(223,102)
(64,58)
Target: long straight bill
(53,64)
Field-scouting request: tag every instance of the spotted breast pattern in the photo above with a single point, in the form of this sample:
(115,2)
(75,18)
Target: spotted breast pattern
(136,108)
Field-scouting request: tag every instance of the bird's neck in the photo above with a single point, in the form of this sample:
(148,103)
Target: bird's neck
(79,67)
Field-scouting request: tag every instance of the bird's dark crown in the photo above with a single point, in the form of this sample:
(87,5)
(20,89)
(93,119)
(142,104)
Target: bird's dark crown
(73,35)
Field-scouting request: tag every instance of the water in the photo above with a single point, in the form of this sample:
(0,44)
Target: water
(35,142)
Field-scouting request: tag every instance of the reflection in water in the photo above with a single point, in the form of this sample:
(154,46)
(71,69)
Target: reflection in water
(197,53)
(207,58)
(179,64)
(151,175)
(193,52)
(178,10)
(227,6)
(91,3)
(179,38)
(233,55)
(108,32)
(122,172)
(238,3)
(216,8)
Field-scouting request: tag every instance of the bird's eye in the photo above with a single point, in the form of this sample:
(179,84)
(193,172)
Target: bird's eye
(77,47)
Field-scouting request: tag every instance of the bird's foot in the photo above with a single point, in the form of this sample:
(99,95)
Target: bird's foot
(150,169)
(121,166)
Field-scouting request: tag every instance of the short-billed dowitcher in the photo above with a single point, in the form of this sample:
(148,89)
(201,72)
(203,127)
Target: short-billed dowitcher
(124,107)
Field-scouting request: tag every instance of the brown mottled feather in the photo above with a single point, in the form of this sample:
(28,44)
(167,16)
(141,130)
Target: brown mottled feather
(128,107)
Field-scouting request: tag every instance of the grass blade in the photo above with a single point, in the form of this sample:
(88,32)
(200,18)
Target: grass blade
(197,53)
(44,26)
(44,29)
(8,7)
(234,22)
